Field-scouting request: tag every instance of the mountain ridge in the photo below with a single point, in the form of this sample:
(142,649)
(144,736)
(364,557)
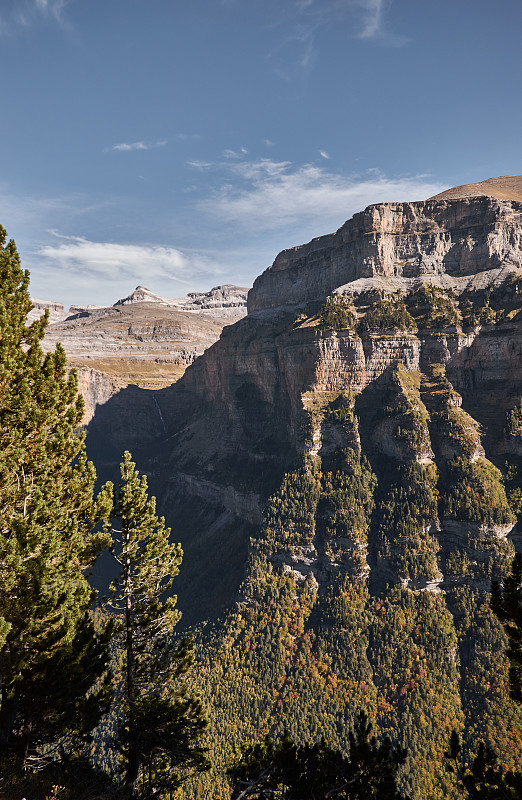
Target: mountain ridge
(142,340)
(342,470)
(507,187)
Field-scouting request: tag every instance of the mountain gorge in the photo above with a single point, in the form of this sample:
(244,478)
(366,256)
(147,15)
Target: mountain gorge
(343,469)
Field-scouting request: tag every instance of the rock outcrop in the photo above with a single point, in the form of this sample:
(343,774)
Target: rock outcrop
(237,420)
(343,469)
(55,310)
(433,239)
(143,340)
(226,301)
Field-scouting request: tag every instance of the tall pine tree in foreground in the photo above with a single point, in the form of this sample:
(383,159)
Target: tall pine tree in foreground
(160,721)
(49,655)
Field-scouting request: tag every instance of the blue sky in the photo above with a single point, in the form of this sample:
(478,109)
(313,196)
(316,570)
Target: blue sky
(181,144)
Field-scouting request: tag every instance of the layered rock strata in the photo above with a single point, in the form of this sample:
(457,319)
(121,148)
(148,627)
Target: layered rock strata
(397,240)
(348,457)
(430,351)
(144,343)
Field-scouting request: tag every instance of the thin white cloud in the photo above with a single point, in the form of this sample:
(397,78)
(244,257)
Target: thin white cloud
(294,55)
(279,194)
(26,217)
(235,153)
(261,170)
(372,11)
(77,270)
(16,14)
(373,22)
(200,165)
(82,269)
(111,261)
(127,147)
(53,7)
(298,23)
(324,154)
(269,143)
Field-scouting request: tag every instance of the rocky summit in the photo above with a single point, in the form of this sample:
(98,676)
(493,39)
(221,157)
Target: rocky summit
(429,296)
(343,468)
(143,340)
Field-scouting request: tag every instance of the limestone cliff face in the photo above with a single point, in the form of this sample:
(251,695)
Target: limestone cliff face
(54,309)
(454,238)
(430,355)
(226,302)
(143,343)
(343,469)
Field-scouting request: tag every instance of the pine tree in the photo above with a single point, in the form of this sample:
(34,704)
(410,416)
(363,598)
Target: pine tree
(47,515)
(161,721)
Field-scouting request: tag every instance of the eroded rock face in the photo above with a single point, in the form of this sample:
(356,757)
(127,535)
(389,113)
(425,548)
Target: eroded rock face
(369,430)
(391,240)
(428,392)
(145,344)
(227,301)
(55,310)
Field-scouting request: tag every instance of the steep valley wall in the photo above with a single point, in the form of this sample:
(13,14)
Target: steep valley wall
(343,469)
(217,442)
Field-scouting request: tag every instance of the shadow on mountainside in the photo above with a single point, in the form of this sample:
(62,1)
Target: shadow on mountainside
(214,540)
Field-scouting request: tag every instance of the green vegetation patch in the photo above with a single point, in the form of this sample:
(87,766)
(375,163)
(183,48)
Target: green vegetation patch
(405,516)
(433,308)
(290,512)
(338,313)
(492,304)
(348,498)
(513,427)
(476,493)
(388,314)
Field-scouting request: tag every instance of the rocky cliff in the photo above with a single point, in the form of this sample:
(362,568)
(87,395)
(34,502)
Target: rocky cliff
(226,302)
(344,471)
(55,310)
(143,340)
(439,239)
(430,293)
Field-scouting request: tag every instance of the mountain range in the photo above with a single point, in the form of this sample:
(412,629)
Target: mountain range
(343,468)
(143,340)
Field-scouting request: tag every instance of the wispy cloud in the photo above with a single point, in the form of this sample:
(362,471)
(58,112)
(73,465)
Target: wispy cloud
(241,153)
(324,154)
(26,217)
(200,165)
(54,6)
(300,22)
(294,54)
(373,23)
(101,270)
(122,262)
(372,18)
(18,14)
(277,194)
(127,147)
